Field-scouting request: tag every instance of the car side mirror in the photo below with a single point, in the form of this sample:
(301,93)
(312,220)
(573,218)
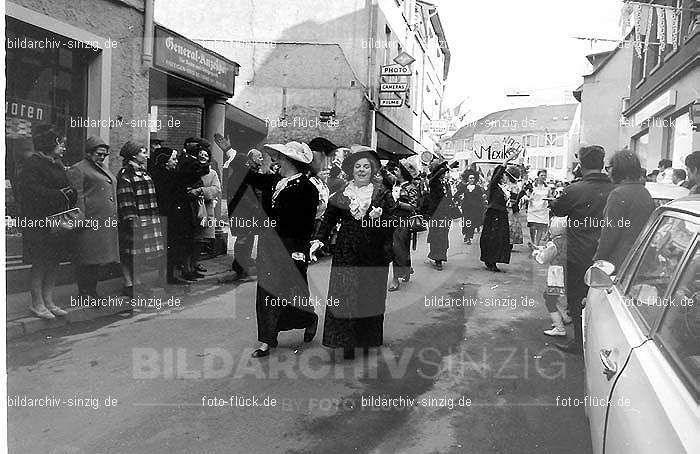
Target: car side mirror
(599,275)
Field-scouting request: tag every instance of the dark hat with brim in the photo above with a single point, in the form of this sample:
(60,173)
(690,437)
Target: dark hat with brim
(358,152)
(95,142)
(438,171)
(323,145)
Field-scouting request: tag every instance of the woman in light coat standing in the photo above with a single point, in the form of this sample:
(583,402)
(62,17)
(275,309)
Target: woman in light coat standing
(211,191)
(97,243)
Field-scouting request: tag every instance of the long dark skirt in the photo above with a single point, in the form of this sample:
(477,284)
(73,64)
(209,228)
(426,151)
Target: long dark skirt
(402,252)
(439,239)
(358,318)
(282,294)
(495,238)
(273,319)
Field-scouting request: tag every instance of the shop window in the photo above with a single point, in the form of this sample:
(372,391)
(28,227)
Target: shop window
(45,84)
(679,134)
(640,145)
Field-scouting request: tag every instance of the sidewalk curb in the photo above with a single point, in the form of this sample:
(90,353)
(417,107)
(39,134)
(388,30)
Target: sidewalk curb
(30,324)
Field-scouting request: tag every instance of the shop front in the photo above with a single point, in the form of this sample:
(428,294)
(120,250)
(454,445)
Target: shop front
(60,70)
(188,90)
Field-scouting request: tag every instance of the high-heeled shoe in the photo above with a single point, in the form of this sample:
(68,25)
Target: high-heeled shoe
(310,332)
(260,353)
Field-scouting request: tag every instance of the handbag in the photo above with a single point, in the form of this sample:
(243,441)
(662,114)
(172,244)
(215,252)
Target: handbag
(63,222)
(416,223)
(201,215)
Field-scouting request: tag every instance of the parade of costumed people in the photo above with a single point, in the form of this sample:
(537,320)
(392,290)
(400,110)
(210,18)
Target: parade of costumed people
(361,256)
(472,203)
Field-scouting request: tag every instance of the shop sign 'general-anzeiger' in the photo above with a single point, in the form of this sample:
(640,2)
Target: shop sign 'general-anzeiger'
(180,56)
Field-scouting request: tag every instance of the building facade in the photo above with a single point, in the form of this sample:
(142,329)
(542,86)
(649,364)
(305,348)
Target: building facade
(664,83)
(541,134)
(103,69)
(603,96)
(312,68)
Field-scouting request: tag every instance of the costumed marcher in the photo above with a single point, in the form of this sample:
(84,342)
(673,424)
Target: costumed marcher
(361,257)
(472,204)
(290,200)
(96,244)
(495,236)
(405,193)
(514,202)
(440,212)
(538,208)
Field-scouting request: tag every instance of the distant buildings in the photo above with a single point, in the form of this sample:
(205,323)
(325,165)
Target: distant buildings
(543,134)
(312,67)
(639,95)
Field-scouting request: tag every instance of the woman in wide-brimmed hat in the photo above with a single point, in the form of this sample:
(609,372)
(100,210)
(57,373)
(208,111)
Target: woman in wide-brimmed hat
(361,257)
(406,196)
(140,235)
(440,212)
(290,200)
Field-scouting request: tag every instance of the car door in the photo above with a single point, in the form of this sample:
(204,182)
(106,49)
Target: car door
(619,319)
(654,405)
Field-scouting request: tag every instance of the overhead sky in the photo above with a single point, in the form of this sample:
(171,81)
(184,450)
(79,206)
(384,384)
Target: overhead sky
(500,45)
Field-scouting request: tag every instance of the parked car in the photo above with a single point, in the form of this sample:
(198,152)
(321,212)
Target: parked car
(663,193)
(642,340)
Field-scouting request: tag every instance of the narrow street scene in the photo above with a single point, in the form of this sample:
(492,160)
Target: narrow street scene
(379,226)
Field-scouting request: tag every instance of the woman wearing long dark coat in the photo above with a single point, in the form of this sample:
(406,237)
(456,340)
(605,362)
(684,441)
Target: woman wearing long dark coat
(495,236)
(289,201)
(472,204)
(440,211)
(44,190)
(358,283)
(97,199)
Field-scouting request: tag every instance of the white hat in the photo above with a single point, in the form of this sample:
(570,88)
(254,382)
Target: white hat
(293,150)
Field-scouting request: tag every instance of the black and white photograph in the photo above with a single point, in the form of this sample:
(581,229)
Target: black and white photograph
(351,226)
